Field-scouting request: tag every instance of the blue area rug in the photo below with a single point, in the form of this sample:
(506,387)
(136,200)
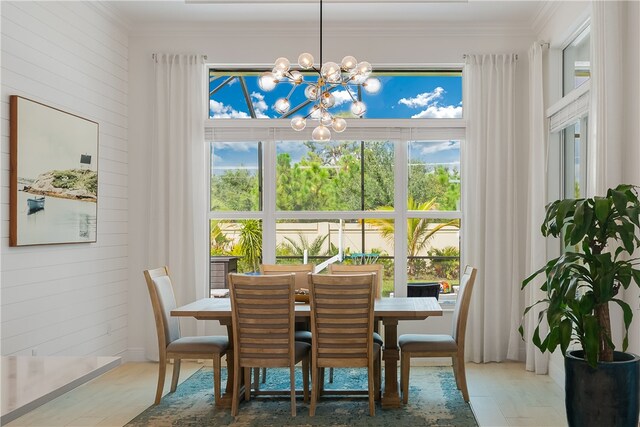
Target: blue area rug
(434,400)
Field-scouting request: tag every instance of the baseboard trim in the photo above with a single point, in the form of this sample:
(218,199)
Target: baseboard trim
(134,355)
(48,396)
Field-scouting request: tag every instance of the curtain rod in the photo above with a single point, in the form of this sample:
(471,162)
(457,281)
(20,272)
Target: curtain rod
(153,56)
(544,45)
(464,56)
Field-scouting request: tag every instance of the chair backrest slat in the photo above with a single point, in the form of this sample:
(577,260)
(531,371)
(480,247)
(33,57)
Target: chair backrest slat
(163,301)
(342,318)
(263,319)
(378,269)
(461,311)
(300,270)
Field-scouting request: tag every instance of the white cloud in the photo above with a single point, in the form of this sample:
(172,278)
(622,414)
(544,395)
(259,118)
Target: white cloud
(221,111)
(342,97)
(259,105)
(440,147)
(234,146)
(423,99)
(437,112)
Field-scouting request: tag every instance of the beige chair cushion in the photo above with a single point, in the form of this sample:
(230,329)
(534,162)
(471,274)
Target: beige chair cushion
(200,345)
(420,342)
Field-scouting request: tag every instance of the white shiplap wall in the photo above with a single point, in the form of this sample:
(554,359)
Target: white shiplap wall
(68,299)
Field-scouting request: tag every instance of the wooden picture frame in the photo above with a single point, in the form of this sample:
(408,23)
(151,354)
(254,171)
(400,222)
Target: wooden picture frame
(53,175)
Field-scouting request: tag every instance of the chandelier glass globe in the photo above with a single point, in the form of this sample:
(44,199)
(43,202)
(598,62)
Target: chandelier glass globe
(345,77)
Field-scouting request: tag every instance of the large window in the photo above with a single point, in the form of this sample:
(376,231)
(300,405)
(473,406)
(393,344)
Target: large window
(384,182)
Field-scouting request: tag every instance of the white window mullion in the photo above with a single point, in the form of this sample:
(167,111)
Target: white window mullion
(401,188)
(269,201)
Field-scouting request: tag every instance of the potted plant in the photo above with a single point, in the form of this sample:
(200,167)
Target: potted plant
(601,384)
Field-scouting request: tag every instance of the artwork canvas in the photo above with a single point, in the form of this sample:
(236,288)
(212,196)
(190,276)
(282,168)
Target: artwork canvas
(54,175)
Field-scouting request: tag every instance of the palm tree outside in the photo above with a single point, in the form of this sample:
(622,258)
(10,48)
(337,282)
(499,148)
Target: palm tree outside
(420,231)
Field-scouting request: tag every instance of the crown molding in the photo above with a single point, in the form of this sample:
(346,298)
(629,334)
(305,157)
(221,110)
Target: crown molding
(316,1)
(546,10)
(357,30)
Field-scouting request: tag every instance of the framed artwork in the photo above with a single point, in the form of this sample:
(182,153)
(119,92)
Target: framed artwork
(54,175)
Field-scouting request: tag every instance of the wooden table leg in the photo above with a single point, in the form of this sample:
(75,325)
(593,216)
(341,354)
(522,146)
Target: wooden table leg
(225,399)
(391,356)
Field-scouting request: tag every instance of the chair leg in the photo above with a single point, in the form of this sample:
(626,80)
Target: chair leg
(264,375)
(331,375)
(216,379)
(292,384)
(454,364)
(405,361)
(176,374)
(247,382)
(371,381)
(462,379)
(162,371)
(321,382)
(235,400)
(305,379)
(377,367)
(315,389)
(256,378)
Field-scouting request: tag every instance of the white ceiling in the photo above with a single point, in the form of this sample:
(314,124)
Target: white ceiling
(179,12)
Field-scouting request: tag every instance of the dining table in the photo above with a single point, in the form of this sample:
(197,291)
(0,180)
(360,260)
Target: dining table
(388,310)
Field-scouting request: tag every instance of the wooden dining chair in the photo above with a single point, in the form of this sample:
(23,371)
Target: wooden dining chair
(263,319)
(378,269)
(342,327)
(300,271)
(303,333)
(431,345)
(171,345)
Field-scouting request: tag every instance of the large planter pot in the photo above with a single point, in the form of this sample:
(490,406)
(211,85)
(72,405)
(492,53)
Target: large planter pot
(608,395)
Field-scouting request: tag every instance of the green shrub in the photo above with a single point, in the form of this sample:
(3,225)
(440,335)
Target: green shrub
(444,268)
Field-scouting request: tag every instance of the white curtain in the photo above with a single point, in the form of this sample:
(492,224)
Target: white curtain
(605,117)
(535,244)
(176,197)
(489,203)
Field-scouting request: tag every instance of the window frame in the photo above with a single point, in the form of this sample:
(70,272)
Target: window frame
(570,108)
(398,131)
(584,27)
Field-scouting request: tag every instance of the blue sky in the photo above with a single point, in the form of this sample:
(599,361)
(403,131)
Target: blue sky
(400,97)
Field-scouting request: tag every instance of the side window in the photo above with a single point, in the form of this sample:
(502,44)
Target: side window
(576,61)
(574,153)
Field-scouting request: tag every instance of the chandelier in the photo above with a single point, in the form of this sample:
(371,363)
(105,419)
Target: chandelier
(348,76)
